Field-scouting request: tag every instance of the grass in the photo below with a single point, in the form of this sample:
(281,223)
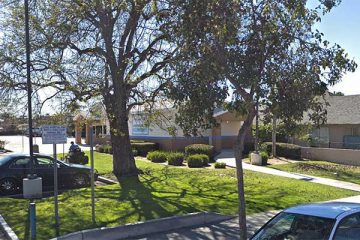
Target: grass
(323,169)
(163,191)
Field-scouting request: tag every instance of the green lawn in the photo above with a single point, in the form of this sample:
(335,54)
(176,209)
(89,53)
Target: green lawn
(323,169)
(164,191)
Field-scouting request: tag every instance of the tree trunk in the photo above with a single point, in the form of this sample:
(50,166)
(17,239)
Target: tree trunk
(123,159)
(274,136)
(239,147)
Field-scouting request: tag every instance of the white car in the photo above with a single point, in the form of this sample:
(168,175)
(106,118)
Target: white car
(316,221)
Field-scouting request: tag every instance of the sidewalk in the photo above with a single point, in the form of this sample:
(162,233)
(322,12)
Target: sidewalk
(228,158)
(218,231)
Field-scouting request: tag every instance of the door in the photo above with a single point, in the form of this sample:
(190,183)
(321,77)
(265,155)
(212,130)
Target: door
(44,168)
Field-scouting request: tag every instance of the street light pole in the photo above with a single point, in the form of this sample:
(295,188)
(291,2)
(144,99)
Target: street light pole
(29,88)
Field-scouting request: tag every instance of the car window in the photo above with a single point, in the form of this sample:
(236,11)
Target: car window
(44,162)
(4,159)
(21,163)
(348,228)
(296,226)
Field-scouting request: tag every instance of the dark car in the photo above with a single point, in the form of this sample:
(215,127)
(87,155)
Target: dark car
(15,167)
(316,221)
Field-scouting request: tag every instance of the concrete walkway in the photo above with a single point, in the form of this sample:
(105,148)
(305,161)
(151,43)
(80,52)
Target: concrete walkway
(218,231)
(228,158)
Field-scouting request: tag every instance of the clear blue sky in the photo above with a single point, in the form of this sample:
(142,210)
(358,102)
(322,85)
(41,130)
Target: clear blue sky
(342,26)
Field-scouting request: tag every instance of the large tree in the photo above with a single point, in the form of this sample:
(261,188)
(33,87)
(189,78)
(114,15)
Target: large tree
(265,51)
(115,49)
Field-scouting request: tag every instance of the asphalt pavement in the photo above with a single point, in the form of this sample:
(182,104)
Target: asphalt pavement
(20,144)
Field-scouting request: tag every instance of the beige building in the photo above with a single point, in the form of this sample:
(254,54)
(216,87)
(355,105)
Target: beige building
(342,129)
(222,137)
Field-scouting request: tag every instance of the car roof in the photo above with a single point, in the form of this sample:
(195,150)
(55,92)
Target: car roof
(326,210)
(13,155)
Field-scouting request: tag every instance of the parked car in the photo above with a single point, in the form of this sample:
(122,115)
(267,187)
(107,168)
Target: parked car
(36,132)
(15,167)
(317,221)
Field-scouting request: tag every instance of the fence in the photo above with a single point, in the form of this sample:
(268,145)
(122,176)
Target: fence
(335,155)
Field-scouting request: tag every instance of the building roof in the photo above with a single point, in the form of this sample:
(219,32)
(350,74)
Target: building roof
(326,210)
(343,109)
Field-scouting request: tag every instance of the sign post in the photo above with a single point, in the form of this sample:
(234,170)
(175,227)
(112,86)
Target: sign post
(92,176)
(54,134)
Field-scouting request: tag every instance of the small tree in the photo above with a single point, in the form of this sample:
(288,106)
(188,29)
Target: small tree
(253,48)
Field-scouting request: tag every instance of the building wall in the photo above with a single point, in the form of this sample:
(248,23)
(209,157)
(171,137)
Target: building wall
(230,128)
(337,133)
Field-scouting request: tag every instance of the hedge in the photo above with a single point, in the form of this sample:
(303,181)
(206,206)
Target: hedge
(175,158)
(157,156)
(143,148)
(208,150)
(220,165)
(197,160)
(264,157)
(286,150)
(2,145)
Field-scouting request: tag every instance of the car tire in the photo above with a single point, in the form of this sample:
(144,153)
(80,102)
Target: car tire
(80,180)
(8,186)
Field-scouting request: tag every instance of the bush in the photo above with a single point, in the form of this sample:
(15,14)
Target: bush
(108,149)
(208,150)
(220,165)
(197,160)
(143,148)
(157,156)
(248,147)
(100,149)
(135,152)
(2,145)
(264,157)
(286,150)
(175,158)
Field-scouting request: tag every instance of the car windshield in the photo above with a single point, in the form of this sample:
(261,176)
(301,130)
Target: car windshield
(286,226)
(4,159)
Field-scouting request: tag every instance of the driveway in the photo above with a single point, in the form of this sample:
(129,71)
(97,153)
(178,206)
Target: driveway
(21,144)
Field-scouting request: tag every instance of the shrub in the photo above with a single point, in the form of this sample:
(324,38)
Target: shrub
(143,148)
(100,148)
(264,157)
(220,165)
(157,156)
(134,152)
(175,158)
(2,144)
(286,150)
(248,147)
(197,160)
(108,149)
(208,150)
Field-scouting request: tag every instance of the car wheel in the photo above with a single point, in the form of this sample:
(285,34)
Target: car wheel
(8,186)
(80,180)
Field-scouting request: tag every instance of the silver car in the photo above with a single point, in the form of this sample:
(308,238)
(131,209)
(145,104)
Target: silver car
(316,221)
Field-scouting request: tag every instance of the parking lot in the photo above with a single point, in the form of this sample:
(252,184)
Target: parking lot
(21,144)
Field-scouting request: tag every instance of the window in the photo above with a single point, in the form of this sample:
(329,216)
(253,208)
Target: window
(354,131)
(296,226)
(21,163)
(43,162)
(349,228)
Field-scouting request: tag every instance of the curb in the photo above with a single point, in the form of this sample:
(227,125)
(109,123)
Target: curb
(148,227)
(106,180)
(9,233)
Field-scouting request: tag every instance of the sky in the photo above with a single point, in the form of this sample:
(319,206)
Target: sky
(341,26)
